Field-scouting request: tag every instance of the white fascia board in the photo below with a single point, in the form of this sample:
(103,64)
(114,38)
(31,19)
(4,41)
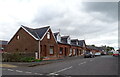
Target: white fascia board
(54,37)
(30,33)
(13,36)
(46,33)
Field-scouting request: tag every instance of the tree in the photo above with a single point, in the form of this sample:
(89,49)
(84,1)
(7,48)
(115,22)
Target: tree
(93,45)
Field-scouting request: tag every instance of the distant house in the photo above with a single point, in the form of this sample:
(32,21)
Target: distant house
(79,46)
(40,42)
(102,50)
(92,49)
(3,45)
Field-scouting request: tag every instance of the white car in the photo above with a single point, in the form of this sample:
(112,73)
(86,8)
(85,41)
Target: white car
(97,54)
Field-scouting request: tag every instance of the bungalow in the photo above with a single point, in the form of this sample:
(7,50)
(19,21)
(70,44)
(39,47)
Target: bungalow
(78,46)
(63,44)
(40,42)
(92,49)
(68,47)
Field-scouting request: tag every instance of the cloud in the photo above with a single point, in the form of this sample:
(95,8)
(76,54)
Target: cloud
(93,21)
(108,9)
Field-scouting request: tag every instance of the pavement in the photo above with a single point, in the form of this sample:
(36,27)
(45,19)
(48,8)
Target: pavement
(33,64)
(101,65)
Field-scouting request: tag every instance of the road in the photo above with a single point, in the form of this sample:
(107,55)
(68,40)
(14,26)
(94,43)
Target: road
(102,65)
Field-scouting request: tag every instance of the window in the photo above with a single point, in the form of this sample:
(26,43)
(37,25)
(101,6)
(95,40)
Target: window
(51,50)
(48,35)
(59,38)
(73,51)
(68,40)
(18,37)
(61,50)
(77,42)
(70,50)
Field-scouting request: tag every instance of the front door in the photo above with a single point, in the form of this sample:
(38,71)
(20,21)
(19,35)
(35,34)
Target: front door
(65,51)
(45,52)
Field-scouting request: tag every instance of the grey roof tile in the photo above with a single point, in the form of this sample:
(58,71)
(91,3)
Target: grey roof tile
(38,32)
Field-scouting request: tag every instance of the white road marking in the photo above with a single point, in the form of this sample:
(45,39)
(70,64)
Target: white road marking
(35,73)
(10,70)
(38,74)
(54,73)
(28,72)
(82,63)
(18,71)
(91,60)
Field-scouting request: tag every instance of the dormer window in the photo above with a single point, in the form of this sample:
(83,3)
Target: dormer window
(68,40)
(59,38)
(48,35)
(77,42)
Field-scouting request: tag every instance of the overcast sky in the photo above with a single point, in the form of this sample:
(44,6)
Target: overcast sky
(96,22)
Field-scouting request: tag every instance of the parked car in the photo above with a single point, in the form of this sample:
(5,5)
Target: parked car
(88,55)
(103,53)
(97,54)
(115,53)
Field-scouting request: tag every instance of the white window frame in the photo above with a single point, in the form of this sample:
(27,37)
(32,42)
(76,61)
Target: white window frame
(61,52)
(51,52)
(48,35)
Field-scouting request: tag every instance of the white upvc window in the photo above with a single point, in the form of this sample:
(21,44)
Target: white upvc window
(61,50)
(68,40)
(77,42)
(70,52)
(51,50)
(73,51)
(59,38)
(48,35)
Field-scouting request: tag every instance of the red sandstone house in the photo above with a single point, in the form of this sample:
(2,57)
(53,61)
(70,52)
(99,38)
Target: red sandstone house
(68,47)
(42,42)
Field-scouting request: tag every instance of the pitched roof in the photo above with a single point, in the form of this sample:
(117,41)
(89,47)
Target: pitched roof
(74,41)
(64,39)
(102,48)
(55,34)
(81,42)
(38,32)
(92,47)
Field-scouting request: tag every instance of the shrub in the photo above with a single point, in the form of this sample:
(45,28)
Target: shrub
(27,59)
(19,57)
(37,60)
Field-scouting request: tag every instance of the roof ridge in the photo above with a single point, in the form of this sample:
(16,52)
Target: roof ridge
(66,36)
(26,27)
(41,27)
(35,28)
(56,32)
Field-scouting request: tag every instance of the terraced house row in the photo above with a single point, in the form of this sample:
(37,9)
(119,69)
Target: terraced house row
(42,42)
